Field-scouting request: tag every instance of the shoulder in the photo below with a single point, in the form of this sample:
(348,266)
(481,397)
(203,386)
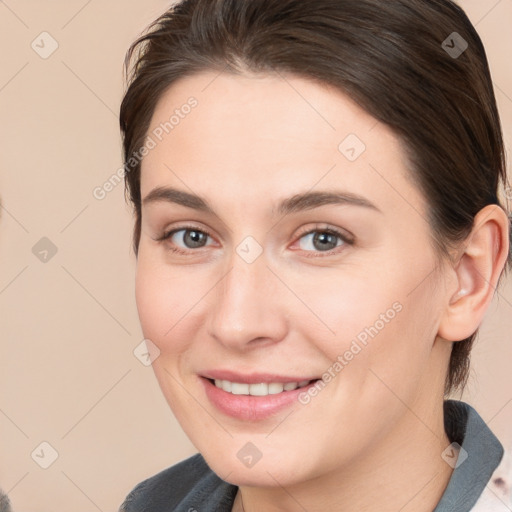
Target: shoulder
(187,486)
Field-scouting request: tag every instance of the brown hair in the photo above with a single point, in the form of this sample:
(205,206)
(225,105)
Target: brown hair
(395,59)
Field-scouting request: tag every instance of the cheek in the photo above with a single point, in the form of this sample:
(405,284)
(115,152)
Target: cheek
(347,307)
(165,305)
(149,296)
(401,348)
(375,320)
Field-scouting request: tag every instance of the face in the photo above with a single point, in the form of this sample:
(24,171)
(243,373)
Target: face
(283,243)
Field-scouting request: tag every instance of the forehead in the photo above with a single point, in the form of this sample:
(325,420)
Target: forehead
(271,132)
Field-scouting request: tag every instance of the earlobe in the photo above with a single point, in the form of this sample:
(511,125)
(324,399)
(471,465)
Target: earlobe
(477,272)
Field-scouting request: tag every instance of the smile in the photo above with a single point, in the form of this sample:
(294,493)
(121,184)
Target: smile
(258,389)
(256,400)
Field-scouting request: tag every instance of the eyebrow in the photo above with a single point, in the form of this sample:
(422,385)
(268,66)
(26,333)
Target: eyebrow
(293,204)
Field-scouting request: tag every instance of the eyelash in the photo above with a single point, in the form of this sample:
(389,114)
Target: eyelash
(331,231)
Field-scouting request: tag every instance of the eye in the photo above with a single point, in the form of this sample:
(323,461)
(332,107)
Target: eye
(323,240)
(185,239)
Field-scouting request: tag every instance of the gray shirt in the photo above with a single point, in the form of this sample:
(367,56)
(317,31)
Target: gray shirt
(191,486)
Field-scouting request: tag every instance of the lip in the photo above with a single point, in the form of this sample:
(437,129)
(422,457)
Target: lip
(252,378)
(252,408)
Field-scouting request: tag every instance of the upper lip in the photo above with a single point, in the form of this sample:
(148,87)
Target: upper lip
(252,377)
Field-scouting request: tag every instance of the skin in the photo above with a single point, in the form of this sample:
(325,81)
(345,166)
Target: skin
(372,439)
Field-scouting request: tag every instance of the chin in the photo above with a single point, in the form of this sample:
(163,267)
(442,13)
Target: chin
(271,475)
(271,470)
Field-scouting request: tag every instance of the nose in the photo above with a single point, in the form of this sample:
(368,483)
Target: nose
(249,307)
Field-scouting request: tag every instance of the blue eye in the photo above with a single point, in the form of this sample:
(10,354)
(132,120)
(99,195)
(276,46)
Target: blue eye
(186,239)
(322,240)
(191,238)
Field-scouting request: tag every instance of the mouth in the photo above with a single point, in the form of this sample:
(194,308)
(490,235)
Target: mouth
(260,388)
(256,400)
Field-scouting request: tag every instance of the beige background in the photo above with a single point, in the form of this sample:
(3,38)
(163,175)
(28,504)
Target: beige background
(69,326)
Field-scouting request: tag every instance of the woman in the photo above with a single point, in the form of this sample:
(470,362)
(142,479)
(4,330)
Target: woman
(318,236)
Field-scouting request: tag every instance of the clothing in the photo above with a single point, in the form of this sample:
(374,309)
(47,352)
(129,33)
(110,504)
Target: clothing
(191,486)
(5,505)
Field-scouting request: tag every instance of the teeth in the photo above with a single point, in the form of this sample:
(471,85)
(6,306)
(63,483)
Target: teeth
(260,389)
(275,388)
(239,389)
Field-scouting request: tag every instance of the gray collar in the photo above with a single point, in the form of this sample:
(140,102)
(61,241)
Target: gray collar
(484,452)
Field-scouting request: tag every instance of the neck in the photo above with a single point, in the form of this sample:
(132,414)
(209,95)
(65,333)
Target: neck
(404,472)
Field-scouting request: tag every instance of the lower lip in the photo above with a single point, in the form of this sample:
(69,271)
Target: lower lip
(248,407)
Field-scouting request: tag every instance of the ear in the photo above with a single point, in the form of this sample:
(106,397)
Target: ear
(477,271)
